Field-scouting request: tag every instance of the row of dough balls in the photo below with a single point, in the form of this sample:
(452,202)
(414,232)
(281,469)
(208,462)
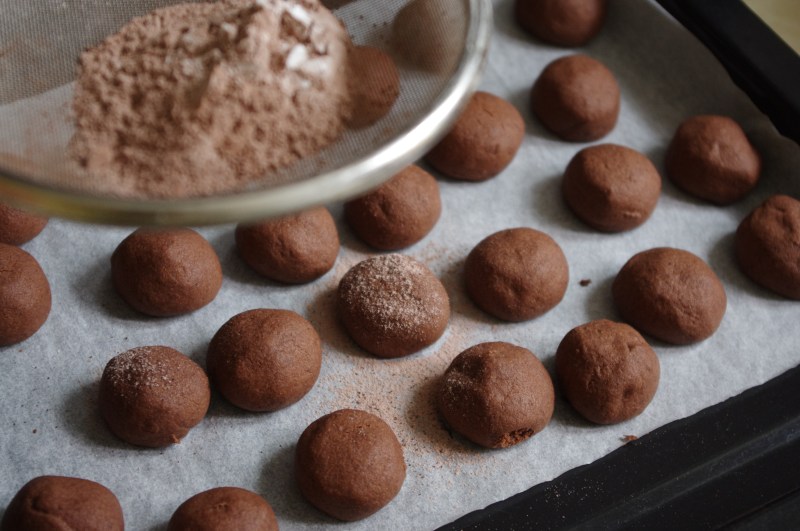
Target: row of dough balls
(611,188)
(171,272)
(349,463)
(58,502)
(578,99)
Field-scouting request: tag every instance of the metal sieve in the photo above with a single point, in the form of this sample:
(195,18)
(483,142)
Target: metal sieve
(41,41)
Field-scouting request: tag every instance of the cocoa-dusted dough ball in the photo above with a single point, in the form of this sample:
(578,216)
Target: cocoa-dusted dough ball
(710,158)
(397,214)
(670,294)
(153,396)
(374,85)
(24,295)
(611,188)
(349,464)
(294,249)
(393,305)
(768,245)
(264,360)
(166,272)
(54,503)
(607,371)
(576,98)
(224,509)
(17,226)
(561,22)
(516,274)
(496,394)
(482,142)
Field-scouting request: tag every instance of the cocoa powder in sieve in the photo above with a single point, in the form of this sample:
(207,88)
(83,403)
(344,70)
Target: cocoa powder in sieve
(198,99)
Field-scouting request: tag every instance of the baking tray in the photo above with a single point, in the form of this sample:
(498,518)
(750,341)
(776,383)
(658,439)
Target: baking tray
(49,383)
(731,465)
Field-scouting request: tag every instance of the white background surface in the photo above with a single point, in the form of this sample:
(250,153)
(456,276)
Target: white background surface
(48,416)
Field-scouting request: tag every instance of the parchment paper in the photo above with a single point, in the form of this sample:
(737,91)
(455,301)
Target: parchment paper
(50,423)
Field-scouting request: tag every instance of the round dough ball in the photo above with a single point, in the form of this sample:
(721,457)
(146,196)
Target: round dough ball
(710,158)
(166,272)
(768,245)
(670,294)
(349,464)
(561,22)
(18,226)
(397,214)
(374,85)
(50,503)
(611,188)
(576,98)
(153,396)
(483,141)
(607,371)
(24,295)
(393,305)
(264,360)
(224,509)
(516,274)
(427,35)
(496,395)
(294,249)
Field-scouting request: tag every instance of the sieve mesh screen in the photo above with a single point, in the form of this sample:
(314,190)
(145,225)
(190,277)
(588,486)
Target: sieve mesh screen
(41,41)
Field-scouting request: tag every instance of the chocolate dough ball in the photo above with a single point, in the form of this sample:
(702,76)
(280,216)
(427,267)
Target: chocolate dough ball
(294,249)
(349,464)
(561,22)
(611,188)
(768,245)
(166,272)
(397,214)
(24,295)
(427,35)
(482,142)
(153,396)
(54,503)
(496,395)
(224,509)
(576,98)
(516,274)
(607,371)
(374,85)
(18,226)
(670,294)
(264,360)
(710,158)
(393,305)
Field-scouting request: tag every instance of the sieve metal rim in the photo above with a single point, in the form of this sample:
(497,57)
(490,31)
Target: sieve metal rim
(335,185)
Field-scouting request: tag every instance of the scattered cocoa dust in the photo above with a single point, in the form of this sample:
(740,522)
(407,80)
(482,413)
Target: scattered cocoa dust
(400,391)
